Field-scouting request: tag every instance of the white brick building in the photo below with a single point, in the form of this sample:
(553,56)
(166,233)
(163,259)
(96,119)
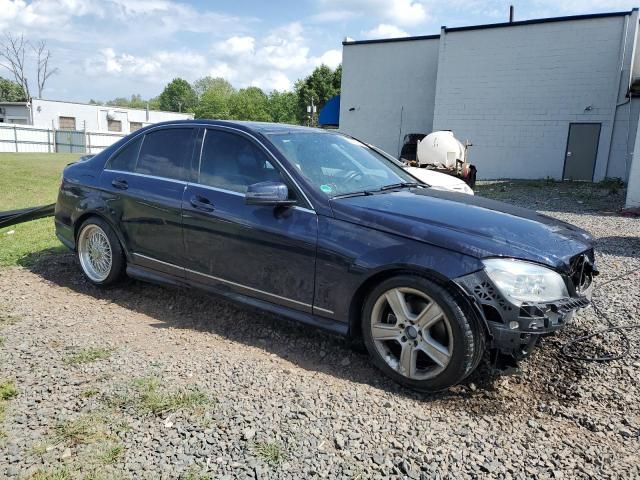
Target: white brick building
(59,115)
(515,90)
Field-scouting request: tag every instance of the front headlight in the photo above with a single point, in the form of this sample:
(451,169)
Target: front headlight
(525,282)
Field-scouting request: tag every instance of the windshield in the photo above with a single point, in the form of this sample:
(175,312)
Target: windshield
(338,165)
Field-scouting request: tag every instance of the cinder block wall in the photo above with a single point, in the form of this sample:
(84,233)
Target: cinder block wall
(388,90)
(514,91)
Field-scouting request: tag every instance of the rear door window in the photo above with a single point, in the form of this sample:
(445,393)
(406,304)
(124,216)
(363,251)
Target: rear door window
(125,159)
(166,153)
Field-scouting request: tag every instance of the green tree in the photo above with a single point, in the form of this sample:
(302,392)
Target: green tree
(214,95)
(178,96)
(337,78)
(118,102)
(137,101)
(283,107)
(217,84)
(249,104)
(322,84)
(213,104)
(154,103)
(11,91)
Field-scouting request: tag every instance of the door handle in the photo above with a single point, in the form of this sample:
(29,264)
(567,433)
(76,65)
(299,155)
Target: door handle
(201,203)
(120,184)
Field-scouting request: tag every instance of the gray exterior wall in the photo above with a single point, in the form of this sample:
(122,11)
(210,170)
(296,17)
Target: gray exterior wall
(510,90)
(633,185)
(514,91)
(391,88)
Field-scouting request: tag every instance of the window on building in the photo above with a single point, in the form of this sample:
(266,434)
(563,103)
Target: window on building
(114,125)
(232,162)
(67,123)
(133,126)
(165,153)
(125,159)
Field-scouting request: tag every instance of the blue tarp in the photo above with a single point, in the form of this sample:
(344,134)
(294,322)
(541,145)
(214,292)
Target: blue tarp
(330,113)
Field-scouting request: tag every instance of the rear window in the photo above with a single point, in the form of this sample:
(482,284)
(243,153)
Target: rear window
(165,153)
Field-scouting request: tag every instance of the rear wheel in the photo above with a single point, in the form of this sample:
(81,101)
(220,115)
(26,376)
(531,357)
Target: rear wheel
(418,334)
(99,252)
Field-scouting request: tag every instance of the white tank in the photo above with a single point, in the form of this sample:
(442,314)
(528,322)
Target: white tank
(441,149)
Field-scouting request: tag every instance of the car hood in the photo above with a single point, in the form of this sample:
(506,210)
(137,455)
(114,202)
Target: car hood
(472,225)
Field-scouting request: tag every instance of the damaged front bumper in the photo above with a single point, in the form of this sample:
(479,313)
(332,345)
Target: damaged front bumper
(515,329)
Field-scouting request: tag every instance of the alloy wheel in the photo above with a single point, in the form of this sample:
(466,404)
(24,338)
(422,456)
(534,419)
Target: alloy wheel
(412,333)
(94,252)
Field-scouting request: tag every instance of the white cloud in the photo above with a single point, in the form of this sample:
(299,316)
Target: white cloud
(235,46)
(122,20)
(108,48)
(272,62)
(400,12)
(384,30)
(156,68)
(18,14)
(330,58)
(284,48)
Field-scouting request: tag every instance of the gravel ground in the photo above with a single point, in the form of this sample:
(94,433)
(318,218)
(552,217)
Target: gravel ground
(149,382)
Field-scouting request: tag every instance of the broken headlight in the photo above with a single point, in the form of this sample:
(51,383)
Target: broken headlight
(521,281)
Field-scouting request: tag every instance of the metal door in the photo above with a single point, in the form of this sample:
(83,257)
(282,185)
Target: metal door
(582,150)
(70,141)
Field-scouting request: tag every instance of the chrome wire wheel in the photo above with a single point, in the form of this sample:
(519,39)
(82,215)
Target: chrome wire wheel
(94,252)
(411,333)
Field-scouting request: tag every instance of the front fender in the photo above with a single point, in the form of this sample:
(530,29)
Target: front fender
(351,257)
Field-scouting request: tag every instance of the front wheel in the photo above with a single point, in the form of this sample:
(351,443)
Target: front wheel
(418,334)
(99,252)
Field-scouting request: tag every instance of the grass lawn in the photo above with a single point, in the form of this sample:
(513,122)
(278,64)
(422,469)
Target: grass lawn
(29,180)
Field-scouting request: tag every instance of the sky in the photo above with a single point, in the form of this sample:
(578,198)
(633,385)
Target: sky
(112,48)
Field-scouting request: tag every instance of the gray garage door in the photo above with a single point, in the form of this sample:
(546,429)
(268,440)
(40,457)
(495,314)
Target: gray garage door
(582,150)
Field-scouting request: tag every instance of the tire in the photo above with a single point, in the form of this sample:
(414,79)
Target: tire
(427,341)
(103,263)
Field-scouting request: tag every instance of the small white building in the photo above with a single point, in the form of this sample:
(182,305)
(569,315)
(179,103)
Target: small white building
(55,126)
(59,115)
(555,97)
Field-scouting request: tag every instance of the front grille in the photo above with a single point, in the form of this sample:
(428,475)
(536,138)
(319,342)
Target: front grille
(582,271)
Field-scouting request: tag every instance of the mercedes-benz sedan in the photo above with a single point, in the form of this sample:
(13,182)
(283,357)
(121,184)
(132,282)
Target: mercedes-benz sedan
(317,226)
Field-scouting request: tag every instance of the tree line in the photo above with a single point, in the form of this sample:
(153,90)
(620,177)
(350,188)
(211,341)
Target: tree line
(216,98)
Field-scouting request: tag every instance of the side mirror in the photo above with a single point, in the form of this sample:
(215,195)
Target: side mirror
(268,193)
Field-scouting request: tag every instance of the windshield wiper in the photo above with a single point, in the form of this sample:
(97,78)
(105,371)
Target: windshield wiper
(393,186)
(353,194)
(378,190)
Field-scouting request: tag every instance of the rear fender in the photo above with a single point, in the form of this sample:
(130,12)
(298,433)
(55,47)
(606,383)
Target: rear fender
(95,206)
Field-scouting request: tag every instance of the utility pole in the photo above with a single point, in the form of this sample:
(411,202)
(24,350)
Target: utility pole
(311,110)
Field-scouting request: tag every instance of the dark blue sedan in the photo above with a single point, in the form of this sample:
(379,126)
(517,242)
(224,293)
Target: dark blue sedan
(317,226)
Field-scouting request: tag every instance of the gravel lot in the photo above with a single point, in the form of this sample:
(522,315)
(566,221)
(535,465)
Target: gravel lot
(148,382)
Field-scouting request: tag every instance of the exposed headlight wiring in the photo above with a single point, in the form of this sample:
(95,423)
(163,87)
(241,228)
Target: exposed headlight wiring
(574,344)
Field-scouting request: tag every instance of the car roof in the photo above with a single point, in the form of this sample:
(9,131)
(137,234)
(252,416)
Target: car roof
(262,127)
